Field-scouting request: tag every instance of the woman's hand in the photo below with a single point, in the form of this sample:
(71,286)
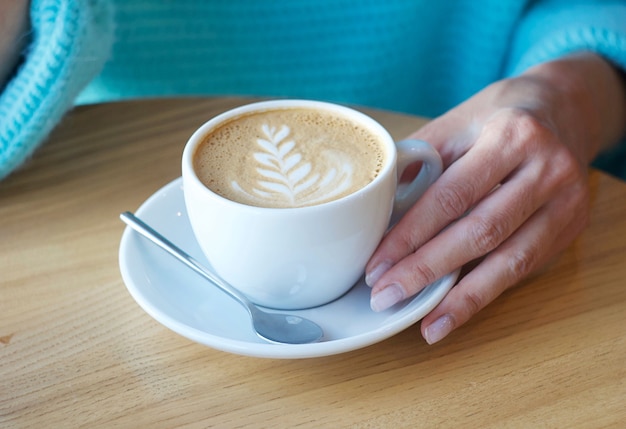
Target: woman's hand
(514,190)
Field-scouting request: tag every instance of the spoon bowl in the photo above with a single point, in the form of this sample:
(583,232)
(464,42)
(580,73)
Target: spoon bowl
(273,327)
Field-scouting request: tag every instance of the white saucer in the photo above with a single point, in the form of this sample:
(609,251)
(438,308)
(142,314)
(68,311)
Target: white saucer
(185,303)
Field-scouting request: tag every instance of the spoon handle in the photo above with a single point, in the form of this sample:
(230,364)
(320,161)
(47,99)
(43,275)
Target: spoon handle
(148,232)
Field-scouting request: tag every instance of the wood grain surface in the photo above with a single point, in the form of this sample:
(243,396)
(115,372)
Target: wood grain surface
(77,351)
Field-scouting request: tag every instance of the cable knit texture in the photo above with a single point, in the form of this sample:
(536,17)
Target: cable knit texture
(70,42)
(413,56)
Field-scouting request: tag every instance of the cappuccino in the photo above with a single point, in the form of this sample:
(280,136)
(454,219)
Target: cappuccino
(288,157)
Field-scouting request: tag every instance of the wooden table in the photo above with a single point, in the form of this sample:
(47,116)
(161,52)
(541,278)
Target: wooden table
(77,351)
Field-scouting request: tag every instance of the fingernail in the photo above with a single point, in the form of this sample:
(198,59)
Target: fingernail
(387,297)
(439,329)
(372,277)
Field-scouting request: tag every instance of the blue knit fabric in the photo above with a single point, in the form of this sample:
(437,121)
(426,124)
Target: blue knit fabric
(413,56)
(70,42)
(557,27)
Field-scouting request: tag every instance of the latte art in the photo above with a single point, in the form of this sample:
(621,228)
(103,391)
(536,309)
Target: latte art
(284,175)
(288,158)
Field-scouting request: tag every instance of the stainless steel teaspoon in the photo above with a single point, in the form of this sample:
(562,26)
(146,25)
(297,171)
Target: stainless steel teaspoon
(279,328)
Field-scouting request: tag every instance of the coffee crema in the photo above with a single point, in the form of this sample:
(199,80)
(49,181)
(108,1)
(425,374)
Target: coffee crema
(288,157)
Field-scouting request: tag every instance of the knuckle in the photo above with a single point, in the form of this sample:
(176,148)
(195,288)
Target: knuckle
(567,169)
(522,262)
(474,302)
(405,241)
(526,133)
(534,135)
(452,200)
(528,128)
(423,275)
(519,128)
(484,235)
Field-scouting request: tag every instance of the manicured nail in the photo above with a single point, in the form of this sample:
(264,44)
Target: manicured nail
(372,277)
(438,330)
(387,297)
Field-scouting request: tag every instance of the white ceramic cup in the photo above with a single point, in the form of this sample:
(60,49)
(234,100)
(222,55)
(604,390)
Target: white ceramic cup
(294,258)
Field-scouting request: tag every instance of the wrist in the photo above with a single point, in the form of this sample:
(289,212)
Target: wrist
(586,100)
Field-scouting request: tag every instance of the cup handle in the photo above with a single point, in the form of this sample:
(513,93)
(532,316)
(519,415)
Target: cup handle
(410,151)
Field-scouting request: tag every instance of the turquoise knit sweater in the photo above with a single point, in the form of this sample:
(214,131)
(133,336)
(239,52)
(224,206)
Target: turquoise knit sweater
(414,56)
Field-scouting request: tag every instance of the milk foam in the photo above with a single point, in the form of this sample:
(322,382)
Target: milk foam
(284,175)
(288,158)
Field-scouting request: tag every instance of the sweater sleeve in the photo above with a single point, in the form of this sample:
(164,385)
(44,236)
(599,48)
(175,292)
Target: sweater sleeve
(554,28)
(70,41)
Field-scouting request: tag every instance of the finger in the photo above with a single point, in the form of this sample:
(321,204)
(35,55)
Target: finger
(506,138)
(409,258)
(489,224)
(458,189)
(522,253)
(452,134)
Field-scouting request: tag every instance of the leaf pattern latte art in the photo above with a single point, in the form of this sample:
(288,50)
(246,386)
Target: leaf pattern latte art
(288,179)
